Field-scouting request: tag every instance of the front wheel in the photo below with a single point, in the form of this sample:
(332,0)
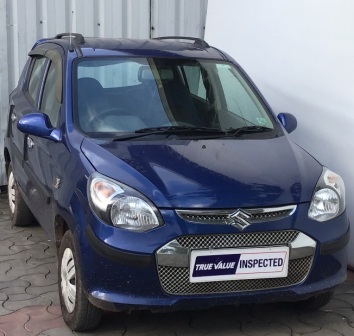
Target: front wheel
(78,313)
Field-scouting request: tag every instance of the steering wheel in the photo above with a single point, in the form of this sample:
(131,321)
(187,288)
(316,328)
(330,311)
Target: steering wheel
(113,111)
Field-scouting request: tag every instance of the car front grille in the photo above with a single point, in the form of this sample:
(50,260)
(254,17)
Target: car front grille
(254,215)
(238,240)
(175,280)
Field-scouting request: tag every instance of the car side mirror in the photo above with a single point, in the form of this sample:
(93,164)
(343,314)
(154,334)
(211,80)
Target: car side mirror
(38,124)
(288,121)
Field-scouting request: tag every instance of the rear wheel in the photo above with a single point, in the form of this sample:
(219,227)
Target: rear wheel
(20,213)
(317,301)
(78,313)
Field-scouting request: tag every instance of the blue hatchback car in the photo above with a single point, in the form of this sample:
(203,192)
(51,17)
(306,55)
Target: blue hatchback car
(166,181)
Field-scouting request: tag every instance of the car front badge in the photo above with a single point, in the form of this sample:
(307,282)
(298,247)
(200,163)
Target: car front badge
(239,219)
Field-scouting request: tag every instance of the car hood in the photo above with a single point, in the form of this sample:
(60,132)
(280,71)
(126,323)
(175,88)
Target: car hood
(221,173)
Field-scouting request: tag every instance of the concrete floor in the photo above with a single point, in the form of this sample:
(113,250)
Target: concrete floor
(30,303)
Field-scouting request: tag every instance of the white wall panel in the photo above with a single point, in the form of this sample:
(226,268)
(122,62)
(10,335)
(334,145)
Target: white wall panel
(4,89)
(178,17)
(22,22)
(301,55)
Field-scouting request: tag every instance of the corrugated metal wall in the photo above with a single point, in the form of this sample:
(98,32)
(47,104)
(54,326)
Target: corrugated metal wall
(22,22)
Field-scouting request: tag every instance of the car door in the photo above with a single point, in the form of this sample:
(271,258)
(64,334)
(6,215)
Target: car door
(24,100)
(41,155)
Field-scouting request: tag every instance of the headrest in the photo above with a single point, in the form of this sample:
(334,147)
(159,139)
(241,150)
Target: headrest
(87,84)
(166,74)
(145,74)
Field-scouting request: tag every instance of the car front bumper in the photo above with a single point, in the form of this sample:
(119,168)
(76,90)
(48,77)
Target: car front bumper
(159,279)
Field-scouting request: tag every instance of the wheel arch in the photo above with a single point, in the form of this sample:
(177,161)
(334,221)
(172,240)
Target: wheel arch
(60,227)
(7,159)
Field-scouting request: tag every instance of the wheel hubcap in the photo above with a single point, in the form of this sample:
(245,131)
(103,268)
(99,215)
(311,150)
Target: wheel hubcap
(11,192)
(68,280)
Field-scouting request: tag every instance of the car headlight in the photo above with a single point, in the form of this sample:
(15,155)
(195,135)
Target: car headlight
(328,199)
(121,206)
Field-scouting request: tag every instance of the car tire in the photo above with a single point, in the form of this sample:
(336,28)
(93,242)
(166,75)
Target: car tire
(78,313)
(20,213)
(317,301)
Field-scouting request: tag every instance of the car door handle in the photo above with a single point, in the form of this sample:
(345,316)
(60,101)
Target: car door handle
(13,117)
(30,142)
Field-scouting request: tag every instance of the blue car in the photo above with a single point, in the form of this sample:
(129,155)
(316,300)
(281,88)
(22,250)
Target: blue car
(166,181)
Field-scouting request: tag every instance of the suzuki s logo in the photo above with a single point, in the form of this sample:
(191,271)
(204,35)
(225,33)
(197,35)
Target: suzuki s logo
(239,219)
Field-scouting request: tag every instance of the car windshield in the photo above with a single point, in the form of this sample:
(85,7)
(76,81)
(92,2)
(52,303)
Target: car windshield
(126,95)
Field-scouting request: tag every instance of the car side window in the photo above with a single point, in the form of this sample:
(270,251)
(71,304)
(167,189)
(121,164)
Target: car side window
(195,81)
(49,104)
(35,79)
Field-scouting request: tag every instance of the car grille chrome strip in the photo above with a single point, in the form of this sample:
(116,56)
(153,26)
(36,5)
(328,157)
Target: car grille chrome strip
(173,260)
(256,215)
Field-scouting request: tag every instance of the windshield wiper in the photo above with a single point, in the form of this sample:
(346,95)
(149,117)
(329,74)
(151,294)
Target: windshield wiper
(168,130)
(179,129)
(247,130)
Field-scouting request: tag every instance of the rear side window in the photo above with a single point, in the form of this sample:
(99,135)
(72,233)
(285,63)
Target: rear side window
(36,76)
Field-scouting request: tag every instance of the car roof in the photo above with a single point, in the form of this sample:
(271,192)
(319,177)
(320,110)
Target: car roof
(157,47)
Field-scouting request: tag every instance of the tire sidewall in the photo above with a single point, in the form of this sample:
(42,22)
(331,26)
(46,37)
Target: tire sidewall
(10,170)
(71,319)
(22,215)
